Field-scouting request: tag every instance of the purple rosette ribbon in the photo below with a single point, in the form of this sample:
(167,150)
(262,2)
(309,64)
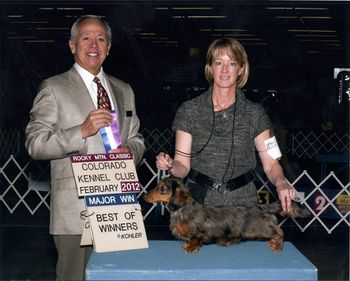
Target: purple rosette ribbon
(111,134)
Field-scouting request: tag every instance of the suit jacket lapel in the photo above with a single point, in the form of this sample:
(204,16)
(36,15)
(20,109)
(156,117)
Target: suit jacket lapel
(79,92)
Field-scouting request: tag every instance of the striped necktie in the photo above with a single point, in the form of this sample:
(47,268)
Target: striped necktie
(102,97)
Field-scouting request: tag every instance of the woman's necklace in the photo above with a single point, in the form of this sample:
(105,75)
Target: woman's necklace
(223,109)
(224,113)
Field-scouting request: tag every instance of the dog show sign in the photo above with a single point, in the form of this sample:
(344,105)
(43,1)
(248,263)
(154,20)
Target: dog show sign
(109,185)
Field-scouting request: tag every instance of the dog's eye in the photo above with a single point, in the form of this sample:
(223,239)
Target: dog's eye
(174,185)
(163,189)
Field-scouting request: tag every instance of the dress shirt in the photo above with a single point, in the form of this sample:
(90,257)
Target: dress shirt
(91,85)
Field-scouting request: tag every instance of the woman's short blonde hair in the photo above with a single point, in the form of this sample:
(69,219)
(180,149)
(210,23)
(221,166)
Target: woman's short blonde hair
(235,50)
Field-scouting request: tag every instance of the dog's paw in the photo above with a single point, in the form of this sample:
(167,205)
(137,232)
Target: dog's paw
(275,246)
(227,242)
(190,248)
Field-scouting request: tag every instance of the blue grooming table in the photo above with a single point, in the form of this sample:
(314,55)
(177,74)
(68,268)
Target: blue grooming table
(165,260)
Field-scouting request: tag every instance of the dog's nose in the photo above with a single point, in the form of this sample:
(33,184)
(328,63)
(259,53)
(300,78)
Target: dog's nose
(146,198)
(150,197)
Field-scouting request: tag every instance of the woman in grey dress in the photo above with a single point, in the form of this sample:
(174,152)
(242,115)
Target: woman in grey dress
(218,132)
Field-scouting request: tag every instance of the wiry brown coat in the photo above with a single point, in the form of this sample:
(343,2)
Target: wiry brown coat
(197,224)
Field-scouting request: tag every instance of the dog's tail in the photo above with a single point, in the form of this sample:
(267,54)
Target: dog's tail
(297,210)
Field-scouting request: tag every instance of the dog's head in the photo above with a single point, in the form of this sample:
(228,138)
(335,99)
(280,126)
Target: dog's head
(169,190)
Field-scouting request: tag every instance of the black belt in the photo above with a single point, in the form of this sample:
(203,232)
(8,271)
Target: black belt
(231,184)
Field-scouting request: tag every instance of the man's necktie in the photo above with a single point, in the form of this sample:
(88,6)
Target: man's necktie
(102,97)
(110,134)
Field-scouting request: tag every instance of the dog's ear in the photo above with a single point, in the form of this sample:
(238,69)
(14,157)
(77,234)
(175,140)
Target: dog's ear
(180,196)
(174,185)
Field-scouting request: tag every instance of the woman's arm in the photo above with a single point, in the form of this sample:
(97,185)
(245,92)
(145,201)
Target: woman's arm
(181,164)
(274,172)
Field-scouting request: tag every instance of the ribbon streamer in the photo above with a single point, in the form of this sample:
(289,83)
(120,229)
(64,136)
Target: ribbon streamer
(111,134)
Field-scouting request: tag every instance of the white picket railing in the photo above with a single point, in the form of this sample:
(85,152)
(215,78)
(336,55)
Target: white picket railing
(326,203)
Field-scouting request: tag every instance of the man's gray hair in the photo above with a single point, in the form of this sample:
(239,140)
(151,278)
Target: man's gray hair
(75,26)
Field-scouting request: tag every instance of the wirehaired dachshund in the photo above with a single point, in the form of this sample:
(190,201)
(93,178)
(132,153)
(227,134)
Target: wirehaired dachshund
(198,224)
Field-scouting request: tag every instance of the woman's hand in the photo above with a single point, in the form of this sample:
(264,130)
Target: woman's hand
(285,193)
(164,161)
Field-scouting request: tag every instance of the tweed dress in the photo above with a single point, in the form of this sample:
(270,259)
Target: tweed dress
(225,140)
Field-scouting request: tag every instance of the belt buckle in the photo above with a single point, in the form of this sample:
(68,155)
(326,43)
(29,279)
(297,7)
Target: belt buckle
(215,186)
(219,187)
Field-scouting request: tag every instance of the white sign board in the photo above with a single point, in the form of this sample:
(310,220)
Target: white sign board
(109,185)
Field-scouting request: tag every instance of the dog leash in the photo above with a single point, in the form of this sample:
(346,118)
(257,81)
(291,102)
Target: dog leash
(297,198)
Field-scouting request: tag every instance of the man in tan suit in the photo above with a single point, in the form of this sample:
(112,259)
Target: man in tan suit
(65,121)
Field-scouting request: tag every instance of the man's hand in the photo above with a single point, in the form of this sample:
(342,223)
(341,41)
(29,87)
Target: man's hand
(123,149)
(96,119)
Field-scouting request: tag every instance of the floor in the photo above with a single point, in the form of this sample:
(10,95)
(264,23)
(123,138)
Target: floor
(28,253)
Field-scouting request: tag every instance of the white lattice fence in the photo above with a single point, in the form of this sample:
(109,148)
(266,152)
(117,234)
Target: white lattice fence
(16,188)
(328,200)
(158,140)
(309,144)
(306,144)
(10,142)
